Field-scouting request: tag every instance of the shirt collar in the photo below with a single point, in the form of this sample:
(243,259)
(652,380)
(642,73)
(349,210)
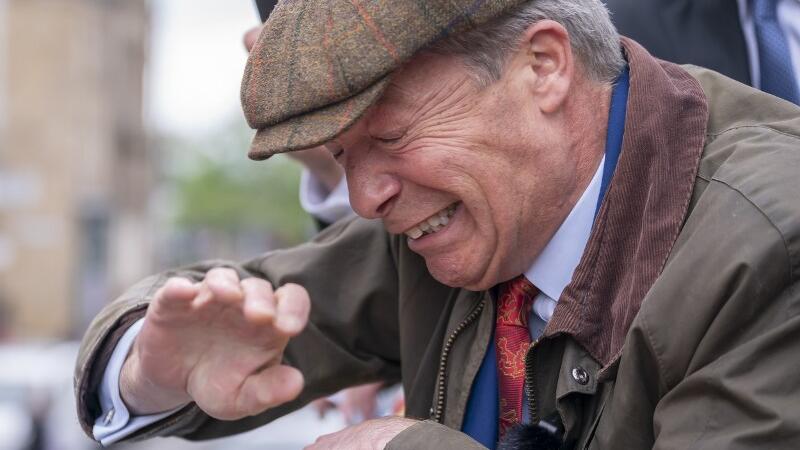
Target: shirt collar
(552,270)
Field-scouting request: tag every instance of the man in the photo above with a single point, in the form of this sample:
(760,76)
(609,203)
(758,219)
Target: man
(511,161)
(742,39)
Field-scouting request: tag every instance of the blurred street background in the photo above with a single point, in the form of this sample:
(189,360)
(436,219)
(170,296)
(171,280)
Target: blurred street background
(122,152)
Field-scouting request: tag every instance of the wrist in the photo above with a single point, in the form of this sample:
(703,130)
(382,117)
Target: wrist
(390,427)
(143,397)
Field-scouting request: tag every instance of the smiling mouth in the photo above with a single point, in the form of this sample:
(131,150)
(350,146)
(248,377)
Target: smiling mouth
(433,223)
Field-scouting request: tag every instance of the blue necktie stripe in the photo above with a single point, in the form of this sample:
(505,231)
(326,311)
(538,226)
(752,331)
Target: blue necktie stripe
(775,60)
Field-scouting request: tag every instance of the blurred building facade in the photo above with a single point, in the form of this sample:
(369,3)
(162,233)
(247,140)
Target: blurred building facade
(75,170)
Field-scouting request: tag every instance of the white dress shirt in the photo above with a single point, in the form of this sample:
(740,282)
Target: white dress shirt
(789,20)
(327,206)
(551,272)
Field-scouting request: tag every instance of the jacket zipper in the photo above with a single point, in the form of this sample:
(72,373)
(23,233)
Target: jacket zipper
(441,379)
(530,383)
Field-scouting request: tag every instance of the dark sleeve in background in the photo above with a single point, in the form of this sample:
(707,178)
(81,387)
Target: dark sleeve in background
(706,33)
(265,7)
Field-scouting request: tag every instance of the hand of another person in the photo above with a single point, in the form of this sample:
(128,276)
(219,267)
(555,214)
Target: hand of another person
(370,435)
(358,403)
(218,343)
(322,406)
(251,36)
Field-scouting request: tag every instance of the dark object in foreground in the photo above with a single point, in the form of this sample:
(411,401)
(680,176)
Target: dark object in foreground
(544,435)
(265,7)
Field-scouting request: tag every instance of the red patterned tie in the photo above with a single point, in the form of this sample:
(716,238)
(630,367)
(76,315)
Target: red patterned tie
(512,339)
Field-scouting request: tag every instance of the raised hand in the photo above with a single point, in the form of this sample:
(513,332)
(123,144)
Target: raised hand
(218,343)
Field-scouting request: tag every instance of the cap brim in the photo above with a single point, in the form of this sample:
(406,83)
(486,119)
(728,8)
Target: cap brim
(315,127)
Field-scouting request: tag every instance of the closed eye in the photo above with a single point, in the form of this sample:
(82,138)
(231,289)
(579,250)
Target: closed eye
(389,139)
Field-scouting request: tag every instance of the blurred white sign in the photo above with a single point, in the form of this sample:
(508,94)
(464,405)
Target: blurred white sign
(7,253)
(19,189)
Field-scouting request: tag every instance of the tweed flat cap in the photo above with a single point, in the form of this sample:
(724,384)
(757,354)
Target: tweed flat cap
(320,64)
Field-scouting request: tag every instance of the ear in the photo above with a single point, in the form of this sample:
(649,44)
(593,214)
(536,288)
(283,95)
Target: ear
(545,61)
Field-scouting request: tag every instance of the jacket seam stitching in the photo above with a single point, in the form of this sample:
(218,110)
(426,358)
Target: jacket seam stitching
(659,358)
(761,126)
(769,221)
(714,407)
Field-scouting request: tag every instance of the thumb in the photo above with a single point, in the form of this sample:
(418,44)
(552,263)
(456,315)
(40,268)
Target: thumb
(271,387)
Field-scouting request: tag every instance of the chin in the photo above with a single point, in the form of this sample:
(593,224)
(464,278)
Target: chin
(460,274)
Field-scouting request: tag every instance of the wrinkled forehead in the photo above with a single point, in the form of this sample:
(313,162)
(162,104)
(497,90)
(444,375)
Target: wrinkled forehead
(427,80)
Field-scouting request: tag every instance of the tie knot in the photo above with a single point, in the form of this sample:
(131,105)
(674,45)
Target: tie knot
(515,301)
(765,9)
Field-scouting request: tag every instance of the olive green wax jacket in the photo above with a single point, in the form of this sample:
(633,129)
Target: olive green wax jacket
(679,329)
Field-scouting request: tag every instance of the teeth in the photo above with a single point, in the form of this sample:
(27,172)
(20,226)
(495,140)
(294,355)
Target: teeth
(414,233)
(433,223)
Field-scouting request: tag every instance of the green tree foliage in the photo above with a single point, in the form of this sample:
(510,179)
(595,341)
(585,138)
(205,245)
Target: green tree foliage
(218,189)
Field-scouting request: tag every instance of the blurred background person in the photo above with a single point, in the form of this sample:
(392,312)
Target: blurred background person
(756,42)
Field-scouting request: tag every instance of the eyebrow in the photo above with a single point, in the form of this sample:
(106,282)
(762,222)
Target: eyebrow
(380,125)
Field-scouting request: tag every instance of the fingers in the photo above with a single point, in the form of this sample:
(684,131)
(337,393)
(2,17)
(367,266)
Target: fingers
(221,285)
(293,306)
(259,301)
(269,388)
(251,36)
(287,308)
(176,294)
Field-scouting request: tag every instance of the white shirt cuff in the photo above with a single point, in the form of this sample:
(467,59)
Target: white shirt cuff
(115,422)
(327,206)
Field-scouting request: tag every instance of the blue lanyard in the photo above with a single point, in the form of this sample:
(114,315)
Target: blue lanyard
(616,130)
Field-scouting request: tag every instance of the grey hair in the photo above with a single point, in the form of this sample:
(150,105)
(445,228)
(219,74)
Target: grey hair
(593,37)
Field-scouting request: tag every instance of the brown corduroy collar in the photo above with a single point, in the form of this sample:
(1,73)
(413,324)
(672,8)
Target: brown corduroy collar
(642,212)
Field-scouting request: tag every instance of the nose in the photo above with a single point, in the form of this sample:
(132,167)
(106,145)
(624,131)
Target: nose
(373,191)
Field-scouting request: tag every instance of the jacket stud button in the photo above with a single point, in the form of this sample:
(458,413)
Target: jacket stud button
(580,376)
(431,411)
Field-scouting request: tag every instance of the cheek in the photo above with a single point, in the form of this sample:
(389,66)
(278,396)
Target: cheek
(479,175)
(442,164)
